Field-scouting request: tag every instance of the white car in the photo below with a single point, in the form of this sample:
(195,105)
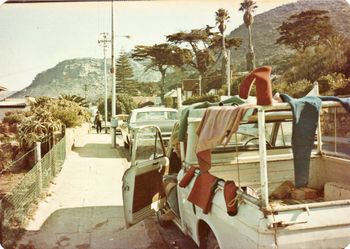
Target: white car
(162,117)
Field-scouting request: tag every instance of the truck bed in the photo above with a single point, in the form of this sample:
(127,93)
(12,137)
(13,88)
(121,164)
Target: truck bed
(323,170)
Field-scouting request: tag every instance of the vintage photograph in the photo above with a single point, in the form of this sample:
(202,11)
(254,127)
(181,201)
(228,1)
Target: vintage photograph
(174,124)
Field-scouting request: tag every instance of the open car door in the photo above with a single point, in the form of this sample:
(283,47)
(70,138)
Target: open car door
(143,192)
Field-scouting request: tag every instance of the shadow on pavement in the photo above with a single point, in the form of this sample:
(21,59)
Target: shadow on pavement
(92,228)
(95,150)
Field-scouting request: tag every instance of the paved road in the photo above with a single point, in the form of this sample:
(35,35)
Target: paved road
(84,207)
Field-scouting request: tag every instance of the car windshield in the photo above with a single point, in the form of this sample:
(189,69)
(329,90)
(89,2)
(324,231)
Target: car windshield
(156,115)
(247,137)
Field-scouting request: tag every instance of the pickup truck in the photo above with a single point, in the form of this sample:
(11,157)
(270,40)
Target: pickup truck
(259,159)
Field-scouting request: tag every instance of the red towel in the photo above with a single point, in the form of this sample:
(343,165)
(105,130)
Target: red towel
(203,191)
(187,177)
(261,77)
(217,127)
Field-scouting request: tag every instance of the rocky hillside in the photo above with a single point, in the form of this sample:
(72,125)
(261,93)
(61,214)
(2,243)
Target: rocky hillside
(79,77)
(76,75)
(265,34)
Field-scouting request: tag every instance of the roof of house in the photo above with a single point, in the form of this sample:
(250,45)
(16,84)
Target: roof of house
(3,88)
(18,103)
(171,93)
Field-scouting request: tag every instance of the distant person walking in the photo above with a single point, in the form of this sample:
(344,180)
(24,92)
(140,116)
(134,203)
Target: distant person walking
(98,121)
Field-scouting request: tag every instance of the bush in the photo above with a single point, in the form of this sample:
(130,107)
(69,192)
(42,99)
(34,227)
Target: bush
(47,116)
(13,118)
(196,99)
(20,130)
(148,103)
(67,112)
(125,104)
(330,83)
(296,90)
(168,102)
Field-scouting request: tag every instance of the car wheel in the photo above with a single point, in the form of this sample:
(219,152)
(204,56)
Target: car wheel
(210,242)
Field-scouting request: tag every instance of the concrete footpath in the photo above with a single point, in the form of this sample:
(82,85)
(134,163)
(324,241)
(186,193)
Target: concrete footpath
(84,206)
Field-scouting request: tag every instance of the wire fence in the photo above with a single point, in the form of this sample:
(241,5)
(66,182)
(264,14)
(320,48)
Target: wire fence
(27,160)
(18,206)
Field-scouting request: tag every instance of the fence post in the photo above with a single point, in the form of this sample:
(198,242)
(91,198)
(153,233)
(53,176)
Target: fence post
(65,141)
(39,172)
(1,223)
(52,154)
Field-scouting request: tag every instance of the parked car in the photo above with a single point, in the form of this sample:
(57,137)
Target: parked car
(122,118)
(259,160)
(162,117)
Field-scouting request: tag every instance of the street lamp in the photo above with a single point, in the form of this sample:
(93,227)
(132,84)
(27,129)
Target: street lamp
(113,71)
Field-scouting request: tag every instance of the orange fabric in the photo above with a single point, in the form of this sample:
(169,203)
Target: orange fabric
(217,127)
(203,191)
(230,189)
(261,77)
(187,177)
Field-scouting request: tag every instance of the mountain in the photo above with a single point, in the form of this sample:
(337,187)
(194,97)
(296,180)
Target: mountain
(265,34)
(86,76)
(5,94)
(82,77)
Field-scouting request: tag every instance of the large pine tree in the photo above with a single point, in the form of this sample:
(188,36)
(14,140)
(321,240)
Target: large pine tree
(125,75)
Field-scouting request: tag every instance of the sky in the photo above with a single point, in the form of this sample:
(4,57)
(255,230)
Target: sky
(35,37)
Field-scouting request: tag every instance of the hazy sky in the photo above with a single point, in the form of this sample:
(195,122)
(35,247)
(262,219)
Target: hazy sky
(35,37)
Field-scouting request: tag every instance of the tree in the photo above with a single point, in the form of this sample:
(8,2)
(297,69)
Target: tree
(124,105)
(222,17)
(199,41)
(148,88)
(320,60)
(306,29)
(74,98)
(248,6)
(162,57)
(124,75)
(203,42)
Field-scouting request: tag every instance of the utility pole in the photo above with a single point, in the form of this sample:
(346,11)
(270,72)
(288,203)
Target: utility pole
(85,91)
(104,41)
(113,118)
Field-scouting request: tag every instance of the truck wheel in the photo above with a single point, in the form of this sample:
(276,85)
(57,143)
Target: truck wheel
(210,242)
(159,214)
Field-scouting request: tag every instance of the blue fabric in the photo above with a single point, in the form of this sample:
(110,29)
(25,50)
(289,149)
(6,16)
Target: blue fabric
(344,101)
(305,120)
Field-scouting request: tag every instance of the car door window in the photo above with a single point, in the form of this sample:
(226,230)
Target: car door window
(148,144)
(284,136)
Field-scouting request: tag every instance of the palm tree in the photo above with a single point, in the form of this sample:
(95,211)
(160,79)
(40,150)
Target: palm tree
(248,6)
(77,99)
(222,17)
